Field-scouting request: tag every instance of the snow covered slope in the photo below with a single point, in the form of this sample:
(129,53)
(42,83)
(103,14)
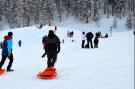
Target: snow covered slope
(111,66)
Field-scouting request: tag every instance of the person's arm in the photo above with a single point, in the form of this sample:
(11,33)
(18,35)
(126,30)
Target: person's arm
(58,45)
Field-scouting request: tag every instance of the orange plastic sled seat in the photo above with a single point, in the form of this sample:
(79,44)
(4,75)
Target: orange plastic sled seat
(2,71)
(48,73)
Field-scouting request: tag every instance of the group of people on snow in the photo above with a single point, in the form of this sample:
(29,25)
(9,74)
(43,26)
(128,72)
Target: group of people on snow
(51,46)
(89,38)
(70,34)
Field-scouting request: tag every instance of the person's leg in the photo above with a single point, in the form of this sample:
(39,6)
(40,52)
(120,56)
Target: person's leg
(54,59)
(83,41)
(49,56)
(3,60)
(10,62)
(91,43)
(87,43)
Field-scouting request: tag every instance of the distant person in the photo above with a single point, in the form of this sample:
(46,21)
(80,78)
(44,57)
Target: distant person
(89,37)
(52,48)
(106,35)
(41,25)
(7,51)
(83,39)
(55,29)
(110,31)
(68,33)
(62,41)
(96,40)
(20,43)
(71,34)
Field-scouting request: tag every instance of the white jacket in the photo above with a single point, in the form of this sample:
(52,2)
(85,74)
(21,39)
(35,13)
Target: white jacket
(83,36)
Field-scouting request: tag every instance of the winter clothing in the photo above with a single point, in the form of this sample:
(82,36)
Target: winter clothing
(83,39)
(7,51)
(96,41)
(52,47)
(9,42)
(19,43)
(106,35)
(5,46)
(4,57)
(89,37)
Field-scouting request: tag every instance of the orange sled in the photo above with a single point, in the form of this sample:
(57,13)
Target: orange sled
(48,73)
(2,71)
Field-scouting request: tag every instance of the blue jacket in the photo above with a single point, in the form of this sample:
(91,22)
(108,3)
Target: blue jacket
(7,47)
(4,48)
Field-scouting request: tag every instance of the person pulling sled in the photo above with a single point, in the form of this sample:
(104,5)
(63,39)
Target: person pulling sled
(52,48)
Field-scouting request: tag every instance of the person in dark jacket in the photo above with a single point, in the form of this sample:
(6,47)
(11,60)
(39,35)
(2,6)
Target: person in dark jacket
(52,48)
(96,40)
(106,35)
(89,37)
(7,51)
(20,43)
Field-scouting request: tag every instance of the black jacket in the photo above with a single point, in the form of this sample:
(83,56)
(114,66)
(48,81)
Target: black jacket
(89,36)
(52,43)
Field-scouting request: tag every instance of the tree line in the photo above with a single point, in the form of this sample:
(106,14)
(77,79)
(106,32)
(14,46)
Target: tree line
(20,13)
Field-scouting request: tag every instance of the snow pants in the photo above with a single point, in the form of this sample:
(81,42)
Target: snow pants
(52,58)
(4,57)
(91,44)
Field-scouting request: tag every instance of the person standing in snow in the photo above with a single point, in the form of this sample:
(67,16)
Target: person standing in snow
(89,37)
(52,48)
(96,40)
(111,31)
(83,39)
(7,51)
(20,43)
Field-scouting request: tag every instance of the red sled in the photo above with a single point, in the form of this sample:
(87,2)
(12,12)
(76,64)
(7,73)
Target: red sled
(2,71)
(48,73)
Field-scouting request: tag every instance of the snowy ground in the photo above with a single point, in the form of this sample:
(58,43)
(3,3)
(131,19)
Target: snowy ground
(111,66)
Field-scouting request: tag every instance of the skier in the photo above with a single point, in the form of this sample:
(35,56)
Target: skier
(89,37)
(52,48)
(7,51)
(83,39)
